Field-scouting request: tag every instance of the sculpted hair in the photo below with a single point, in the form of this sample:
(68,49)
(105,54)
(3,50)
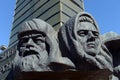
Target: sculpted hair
(87,18)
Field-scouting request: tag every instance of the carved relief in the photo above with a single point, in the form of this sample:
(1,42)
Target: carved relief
(36,43)
(114,48)
(77,47)
(38,48)
(80,41)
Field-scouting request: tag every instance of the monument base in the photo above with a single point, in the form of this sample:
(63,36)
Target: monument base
(68,75)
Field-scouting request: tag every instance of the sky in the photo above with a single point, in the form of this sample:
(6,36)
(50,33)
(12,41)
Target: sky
(105,12)
(6,19)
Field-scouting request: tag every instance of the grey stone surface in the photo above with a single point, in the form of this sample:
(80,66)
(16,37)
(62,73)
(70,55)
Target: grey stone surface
(80,41)
(76,47)
(66,75)
(108,35)
(114,48)
(6,61)
(38,48)
(36,43)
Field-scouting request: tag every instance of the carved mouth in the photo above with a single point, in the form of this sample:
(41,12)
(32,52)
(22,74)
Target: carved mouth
(29,52)
(91,45)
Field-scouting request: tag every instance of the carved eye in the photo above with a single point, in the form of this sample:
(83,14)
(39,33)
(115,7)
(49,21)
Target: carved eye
(23,40)
(82,33)
(96,34)
(39,40)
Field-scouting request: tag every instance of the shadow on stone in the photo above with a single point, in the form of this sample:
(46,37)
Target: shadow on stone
(68,75)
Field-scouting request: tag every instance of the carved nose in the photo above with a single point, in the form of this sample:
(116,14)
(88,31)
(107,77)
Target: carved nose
(91,36)
(29,43)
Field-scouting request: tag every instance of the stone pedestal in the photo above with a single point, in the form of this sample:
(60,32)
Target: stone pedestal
(69,75)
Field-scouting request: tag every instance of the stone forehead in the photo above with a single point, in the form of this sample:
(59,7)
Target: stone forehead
(85,17)
(28,34)
(86,26)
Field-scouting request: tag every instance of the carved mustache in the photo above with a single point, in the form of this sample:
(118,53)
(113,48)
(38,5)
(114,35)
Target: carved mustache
(28,51)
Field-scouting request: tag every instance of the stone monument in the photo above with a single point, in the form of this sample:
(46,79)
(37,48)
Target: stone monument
(79,52)
(80,41)
(73,52)
(37,44)
(54,12)
(113,46)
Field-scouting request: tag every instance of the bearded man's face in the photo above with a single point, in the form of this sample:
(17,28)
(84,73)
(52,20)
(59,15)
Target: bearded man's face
(32,50)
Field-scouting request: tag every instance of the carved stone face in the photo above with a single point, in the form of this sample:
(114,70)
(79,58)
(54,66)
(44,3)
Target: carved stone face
(32,49)
(37,46)
(88,36)
(32,44)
